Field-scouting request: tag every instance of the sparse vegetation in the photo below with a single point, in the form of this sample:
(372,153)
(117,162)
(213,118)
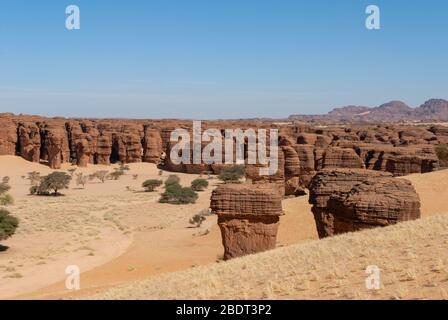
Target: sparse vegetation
(116,175)
(8,224)
(232,174)
(442,154)
(200,217)
(123,167)
(34,178)
(52,184)
(81,179)
(151,185)
(5,198)
(172,179)
(199,184)
(176,194)
(101,175)
(71,172)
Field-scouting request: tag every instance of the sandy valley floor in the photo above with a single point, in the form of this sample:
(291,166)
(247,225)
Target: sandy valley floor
(118,234)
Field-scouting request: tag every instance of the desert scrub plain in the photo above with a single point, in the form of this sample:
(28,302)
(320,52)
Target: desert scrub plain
(87,226)
(412,257)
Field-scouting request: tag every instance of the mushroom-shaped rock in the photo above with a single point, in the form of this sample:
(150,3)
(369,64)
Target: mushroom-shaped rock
(248,216)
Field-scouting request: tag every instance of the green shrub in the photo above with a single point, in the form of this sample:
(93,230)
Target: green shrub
(4,187)
(172,179)
(8,224)
(176,194)
(5,198)
(151,185)
(442,154)
(199,184)
(232,174)
(116,175)
(53,183)
(200,217)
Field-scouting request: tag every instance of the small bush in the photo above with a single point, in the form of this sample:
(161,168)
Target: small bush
(81,180)
(200,217)
(5,198)
(4,187)
(135,176)
(8,224)
(176,194)
(199,184)
(100,175)
(116,175)
(197,220)
(123,167)
(172,179)
(151,185)
(442,154)
(232,174)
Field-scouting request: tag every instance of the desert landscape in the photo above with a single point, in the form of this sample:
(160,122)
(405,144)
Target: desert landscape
(346,195)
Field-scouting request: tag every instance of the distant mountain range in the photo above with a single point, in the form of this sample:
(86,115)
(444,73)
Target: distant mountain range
(394,111)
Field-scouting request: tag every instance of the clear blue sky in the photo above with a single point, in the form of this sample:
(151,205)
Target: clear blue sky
(218,58)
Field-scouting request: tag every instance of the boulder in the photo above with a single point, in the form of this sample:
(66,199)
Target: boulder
(348,200)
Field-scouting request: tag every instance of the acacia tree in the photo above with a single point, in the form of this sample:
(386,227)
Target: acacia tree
(55,182)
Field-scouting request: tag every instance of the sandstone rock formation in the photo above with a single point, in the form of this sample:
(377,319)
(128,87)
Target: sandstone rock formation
(29,141)
(304,149)
(56,148)
(346,200)
(248,216)
(8,137)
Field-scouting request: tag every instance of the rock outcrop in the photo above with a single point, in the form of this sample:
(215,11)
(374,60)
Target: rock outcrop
(248,216)
(8,137)
(347,200)
(56,148)
(29,141)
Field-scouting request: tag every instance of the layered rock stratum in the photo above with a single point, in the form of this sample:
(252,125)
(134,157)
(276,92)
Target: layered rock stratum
(348,200)
(248,217)
(304,149)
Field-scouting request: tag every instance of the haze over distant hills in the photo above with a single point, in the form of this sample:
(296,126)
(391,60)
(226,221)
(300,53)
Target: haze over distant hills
(394,111)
